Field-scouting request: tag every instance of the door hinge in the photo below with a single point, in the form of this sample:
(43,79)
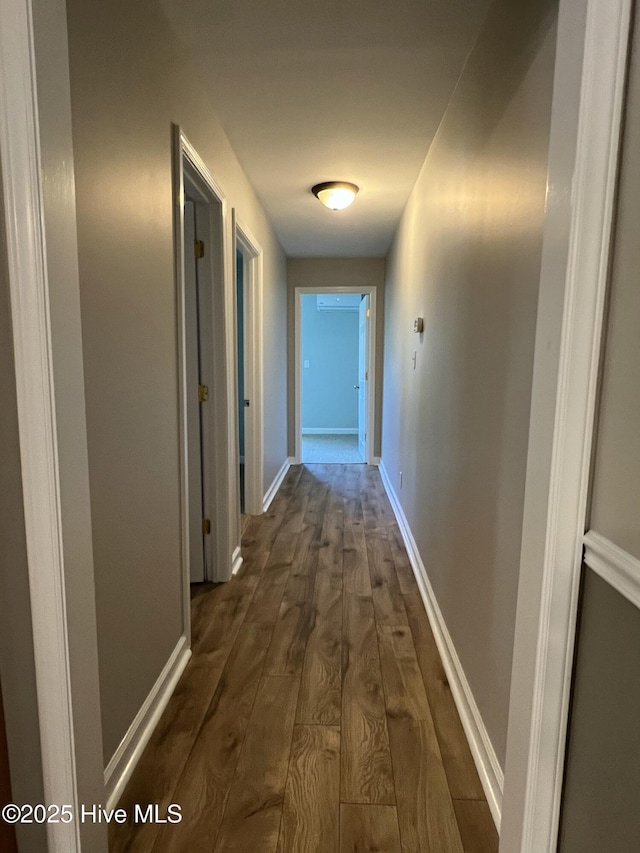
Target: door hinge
(198,248)
(206,527)
(368,312)
(203,393)
(366,376)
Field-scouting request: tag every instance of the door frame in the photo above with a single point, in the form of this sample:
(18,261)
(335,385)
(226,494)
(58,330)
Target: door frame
(371,290)
(216,433)
(587,114)
(252,255)
(367,320)
(42,253)
(198,344)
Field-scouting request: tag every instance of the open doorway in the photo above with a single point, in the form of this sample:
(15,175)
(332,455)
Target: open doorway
(334,346)
(248,303)
(243,402)
(198,339)
(201,271)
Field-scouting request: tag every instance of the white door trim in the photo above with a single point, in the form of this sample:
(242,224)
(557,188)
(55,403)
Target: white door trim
(363,363)
(582,180)
(616,566)
(221,482)
(253,369)
(35,365)
(372,290)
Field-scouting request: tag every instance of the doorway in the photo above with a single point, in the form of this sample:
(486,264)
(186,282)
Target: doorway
(363,345)
(566,423)
(243,402)
(248,304)
(335,338)
(198,339)
(204,332)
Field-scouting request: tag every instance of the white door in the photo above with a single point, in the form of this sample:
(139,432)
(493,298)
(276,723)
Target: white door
(194,415)
(363,376)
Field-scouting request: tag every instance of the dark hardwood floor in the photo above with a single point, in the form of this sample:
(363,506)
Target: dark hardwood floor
(315,715)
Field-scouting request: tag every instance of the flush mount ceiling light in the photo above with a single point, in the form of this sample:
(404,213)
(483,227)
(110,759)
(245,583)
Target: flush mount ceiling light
(336,195)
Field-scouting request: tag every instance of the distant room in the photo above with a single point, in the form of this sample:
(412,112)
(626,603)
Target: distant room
(334,354)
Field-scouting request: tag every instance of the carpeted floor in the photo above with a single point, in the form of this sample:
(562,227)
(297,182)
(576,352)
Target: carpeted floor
(330,448)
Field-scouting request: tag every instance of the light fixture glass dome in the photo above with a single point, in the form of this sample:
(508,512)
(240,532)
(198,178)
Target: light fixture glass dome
(336,195)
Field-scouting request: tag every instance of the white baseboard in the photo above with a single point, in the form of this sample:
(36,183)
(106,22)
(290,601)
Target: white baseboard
(486,760)
(329,430)
(376,461)
(236,560)
(119,769)
(273,488)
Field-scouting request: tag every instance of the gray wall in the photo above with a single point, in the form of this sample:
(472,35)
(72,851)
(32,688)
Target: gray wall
(130,79)
(330,345)
(466,257)
(616,482)
(600,803)
(323,274)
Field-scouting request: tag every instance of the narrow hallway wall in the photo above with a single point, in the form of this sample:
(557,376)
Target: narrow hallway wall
(466,257)
(130,79)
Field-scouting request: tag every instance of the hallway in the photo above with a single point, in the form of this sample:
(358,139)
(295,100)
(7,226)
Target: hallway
(314,714)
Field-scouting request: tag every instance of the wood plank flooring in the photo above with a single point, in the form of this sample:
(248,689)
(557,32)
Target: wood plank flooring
(314,715)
